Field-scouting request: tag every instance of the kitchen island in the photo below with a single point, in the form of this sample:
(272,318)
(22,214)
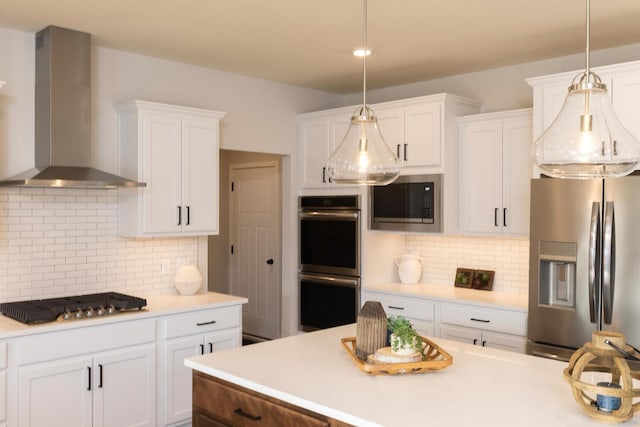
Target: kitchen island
(483,386)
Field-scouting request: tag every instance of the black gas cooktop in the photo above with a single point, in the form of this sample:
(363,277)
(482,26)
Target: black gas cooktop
(69,308)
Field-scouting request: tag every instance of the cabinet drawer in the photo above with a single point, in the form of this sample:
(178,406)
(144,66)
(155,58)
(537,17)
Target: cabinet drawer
(408,307)
(201,321)
(90,339)
(238,407)
(3,354)
(485,319)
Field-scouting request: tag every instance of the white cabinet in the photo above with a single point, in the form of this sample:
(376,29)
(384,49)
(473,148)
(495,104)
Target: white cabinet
(174,150)
(484,326)
(421,131)
(495,170)
(420,312)
(93,376)
(3,382)
(623,85)
(189,335)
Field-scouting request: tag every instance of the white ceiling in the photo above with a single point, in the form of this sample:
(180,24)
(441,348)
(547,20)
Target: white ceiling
(308,42)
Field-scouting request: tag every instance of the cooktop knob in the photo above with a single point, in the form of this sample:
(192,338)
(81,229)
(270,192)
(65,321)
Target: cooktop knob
(89,312)
(67,315)
(78,314)
(111,309)
(100,311)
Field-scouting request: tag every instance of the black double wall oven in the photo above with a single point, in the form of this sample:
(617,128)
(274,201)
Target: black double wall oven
(329,256)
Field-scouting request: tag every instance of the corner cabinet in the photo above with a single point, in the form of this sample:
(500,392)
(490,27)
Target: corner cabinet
(495,170)
(421,131)
(174,150)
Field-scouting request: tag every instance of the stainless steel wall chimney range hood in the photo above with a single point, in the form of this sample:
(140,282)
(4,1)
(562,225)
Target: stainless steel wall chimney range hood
(63,116)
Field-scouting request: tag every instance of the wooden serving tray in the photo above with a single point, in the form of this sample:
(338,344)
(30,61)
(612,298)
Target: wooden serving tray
(434,358)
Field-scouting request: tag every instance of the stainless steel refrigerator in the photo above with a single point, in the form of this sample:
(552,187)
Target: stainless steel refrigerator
(584,272)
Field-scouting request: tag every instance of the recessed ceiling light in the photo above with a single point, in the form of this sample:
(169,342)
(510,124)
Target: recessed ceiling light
(359,52)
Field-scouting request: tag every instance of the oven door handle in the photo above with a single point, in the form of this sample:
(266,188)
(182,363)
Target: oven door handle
(328,215)
(329,280)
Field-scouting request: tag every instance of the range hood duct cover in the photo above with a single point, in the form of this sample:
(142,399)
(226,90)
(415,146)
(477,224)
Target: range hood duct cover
(63,116)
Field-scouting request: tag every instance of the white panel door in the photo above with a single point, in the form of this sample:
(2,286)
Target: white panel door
(200,176)
(162,172)
(176,405)
(391,125)
(516,174)
(56,394)
(481,172)
(255,261)
(125,388)
(422,135)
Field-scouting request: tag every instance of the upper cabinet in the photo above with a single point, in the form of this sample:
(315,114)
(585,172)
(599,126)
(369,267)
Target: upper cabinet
(495,165)
(623,85)
(420,131)
(174,150)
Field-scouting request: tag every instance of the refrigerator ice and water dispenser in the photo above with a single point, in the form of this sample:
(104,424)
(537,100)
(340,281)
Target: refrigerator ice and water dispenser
(557,287)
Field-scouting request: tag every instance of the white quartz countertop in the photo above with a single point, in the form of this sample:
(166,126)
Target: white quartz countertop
(483,386)
(451,293)
(157,305)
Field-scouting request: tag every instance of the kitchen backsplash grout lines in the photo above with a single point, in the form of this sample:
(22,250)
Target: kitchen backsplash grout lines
(508,257)
(61,242)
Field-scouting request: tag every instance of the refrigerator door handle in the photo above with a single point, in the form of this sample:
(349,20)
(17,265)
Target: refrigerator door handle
(608,262)
(594,259)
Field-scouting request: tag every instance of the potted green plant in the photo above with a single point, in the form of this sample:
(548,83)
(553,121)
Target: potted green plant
(403,339)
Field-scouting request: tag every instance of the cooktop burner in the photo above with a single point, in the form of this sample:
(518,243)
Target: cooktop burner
(68,308)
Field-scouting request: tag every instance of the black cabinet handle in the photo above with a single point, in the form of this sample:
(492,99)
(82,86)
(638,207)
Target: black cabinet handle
(483,343)
(270,261)
(188,215)
(210,347)
(100,376)
(473,319)
(398,151)
(393,307)
(495,217)
(89,386)
(504,217)
(201,348)
(324,175)
(475,341)
(211,322)
(406,158)
(179,215)
(242,413)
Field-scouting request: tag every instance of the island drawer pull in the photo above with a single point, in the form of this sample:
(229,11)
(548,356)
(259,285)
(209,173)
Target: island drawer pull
(206,323)
(242,413)
(395,307)
(473,319)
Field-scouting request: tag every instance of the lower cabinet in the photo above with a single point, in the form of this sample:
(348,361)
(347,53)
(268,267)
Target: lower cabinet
(3,383)
(219,403)
(420,312)
(484,338)
(107,389)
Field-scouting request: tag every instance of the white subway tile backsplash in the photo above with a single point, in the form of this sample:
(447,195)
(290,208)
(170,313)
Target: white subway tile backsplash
(59,242)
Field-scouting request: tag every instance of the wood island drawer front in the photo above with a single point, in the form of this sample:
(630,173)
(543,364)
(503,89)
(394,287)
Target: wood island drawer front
(231,405)
(201,321)
(487,319)
(397,306)
(3,354)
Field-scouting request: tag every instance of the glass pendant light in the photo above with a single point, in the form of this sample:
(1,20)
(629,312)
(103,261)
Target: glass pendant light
(586,139)
(363,156)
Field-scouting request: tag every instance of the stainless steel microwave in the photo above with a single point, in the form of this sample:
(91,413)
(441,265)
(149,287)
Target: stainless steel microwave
(410,203)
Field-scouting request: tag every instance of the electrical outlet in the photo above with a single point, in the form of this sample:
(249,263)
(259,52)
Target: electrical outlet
(165,267)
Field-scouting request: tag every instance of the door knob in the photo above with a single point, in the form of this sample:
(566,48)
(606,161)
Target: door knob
(270,261)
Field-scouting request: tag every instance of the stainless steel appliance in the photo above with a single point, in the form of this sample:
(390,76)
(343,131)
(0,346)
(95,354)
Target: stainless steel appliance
(329,274)
(71,308)
(410,203)
(584,269)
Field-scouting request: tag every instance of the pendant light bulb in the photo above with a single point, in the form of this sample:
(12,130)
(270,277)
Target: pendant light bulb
(586,139)
(363,157)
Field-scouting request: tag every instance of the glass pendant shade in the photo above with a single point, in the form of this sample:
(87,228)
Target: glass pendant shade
(363,156)
(586,139)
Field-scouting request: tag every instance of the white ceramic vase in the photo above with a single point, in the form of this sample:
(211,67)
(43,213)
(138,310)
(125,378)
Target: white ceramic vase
(188,280)
(409,268)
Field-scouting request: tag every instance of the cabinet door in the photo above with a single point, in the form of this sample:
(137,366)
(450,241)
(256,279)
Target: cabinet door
(125,388)
(626,99)
(313,145)
(391,125)
(516,175)
(200,172)
(338,126)
(162,172)
(504,342)
(3,396)
(56,394)
(455,333)
(481,172)
(423,135)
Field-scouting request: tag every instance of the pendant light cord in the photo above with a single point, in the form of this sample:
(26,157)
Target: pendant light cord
(364,59)
(588,69)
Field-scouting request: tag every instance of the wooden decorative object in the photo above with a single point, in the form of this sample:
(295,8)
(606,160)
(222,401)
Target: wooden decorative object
(371,329)
(483,279)
(464,278)
(433,359)
(598,356)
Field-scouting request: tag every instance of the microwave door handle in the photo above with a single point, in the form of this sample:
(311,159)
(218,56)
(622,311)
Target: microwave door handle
(609,263)
(594,259)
